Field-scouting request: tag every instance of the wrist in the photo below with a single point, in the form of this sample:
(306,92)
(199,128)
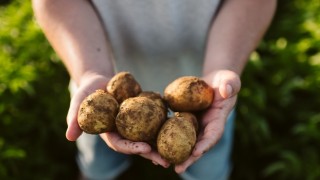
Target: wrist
(89,77)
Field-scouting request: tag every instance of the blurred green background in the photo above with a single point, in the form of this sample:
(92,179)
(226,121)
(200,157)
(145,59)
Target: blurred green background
(277,129)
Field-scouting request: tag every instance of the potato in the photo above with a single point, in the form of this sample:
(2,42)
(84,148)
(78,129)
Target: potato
(97,113)
(122,86)
(139,119)
(188,94)
(157,98)
(177,137)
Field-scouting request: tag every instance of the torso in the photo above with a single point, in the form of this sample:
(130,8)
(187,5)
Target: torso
(157,41)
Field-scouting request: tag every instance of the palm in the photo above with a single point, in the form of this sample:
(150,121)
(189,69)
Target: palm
(112,139)
(226,85)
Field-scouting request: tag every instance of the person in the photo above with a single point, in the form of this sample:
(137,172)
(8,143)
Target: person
(156,41)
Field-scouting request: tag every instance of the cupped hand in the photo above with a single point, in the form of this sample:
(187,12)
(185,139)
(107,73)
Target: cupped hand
(226,85)
(88,85)
(119,144)
(112,139)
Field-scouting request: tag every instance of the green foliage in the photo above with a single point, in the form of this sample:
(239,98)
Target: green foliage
(277,130)
(278,126)
(34,101)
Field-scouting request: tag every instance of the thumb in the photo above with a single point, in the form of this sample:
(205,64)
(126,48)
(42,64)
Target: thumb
(89,85)
(73,130)
(228,83)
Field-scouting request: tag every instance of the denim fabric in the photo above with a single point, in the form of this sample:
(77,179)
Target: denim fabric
(97,161)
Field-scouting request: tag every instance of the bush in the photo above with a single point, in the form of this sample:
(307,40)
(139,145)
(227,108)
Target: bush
(278,124)
(34,101)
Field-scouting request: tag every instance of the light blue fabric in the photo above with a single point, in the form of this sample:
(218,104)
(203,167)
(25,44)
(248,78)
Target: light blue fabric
(98,162)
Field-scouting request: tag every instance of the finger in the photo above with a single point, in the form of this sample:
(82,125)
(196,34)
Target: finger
(210,138)
(156,159)
(229,83)
(180,168)
(207,139)
(73,130)
(225,90)
(213,122)
(117,143)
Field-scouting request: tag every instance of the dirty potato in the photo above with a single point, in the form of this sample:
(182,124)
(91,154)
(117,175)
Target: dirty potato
(177,137)
(122,86)
(97,113)
(139,119)
(188,94)
(157,98)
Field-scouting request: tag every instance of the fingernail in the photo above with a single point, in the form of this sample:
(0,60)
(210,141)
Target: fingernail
(155,163)
(229,90)
(168,165)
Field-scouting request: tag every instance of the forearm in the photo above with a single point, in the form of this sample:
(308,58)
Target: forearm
(235,33)
(76,34)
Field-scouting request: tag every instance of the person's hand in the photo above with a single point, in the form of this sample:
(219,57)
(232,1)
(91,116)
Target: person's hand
(88,85)
(113,140)
(119,144)
(226,85)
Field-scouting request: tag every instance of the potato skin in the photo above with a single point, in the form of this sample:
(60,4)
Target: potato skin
(122,86)
(188,94)
(97,113)
(157,98)
(177,137)
(139,119)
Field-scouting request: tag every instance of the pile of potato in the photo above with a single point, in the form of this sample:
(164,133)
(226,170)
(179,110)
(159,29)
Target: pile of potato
(143,115)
